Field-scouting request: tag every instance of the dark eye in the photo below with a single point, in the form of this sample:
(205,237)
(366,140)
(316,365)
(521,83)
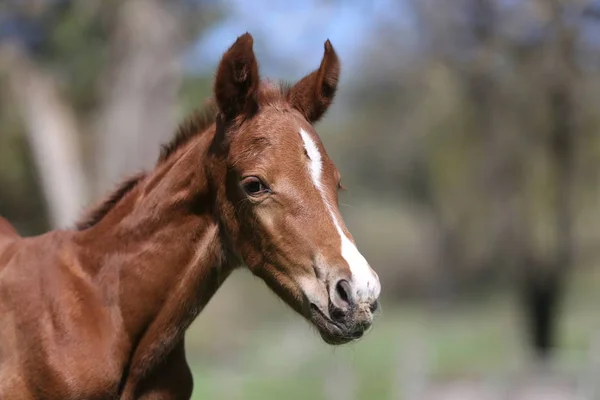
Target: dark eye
(253,186)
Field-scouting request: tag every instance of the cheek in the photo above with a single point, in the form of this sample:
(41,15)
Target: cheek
(268,219)
(284,235)
(275,228)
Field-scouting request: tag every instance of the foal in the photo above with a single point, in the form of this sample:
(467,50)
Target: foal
(101,312)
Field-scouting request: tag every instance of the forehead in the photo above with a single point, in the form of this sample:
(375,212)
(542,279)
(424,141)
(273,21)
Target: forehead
(279,134)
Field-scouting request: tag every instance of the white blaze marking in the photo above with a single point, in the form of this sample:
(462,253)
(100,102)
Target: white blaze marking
(365,282)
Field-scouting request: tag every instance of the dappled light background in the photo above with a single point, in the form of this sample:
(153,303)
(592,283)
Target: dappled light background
(467,135)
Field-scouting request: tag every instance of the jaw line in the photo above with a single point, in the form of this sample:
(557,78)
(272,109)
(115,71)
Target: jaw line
(331,332)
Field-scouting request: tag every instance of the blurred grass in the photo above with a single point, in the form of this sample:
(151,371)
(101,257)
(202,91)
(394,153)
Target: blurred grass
(286,359)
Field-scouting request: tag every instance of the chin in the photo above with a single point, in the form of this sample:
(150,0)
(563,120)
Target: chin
(335,340)
(336,333)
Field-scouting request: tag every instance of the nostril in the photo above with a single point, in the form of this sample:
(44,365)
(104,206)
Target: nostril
(344,293)
(374,306)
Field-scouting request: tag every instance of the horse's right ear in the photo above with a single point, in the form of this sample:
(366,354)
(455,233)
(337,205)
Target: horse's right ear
(237,81)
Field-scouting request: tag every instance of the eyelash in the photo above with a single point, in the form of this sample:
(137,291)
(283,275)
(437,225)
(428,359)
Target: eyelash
(254,186)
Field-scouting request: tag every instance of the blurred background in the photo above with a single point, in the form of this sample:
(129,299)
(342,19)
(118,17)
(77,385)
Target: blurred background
(466,132)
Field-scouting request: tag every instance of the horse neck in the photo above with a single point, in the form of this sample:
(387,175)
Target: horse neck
(162,245)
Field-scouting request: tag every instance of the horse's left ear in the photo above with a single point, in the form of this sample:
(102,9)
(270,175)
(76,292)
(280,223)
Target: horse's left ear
(314,93)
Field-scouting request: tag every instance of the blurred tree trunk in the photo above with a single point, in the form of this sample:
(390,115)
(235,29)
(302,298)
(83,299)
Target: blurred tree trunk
(136,112)
(499,179)
(545,281)
(52,134)
(139,89)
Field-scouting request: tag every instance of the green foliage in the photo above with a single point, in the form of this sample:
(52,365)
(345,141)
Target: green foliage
(20,191)
(76,50)
(195,91)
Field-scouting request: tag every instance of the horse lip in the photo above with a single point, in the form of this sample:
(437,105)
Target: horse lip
(317,310)
(331,332)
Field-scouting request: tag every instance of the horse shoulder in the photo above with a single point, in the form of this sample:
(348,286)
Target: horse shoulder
(69,338)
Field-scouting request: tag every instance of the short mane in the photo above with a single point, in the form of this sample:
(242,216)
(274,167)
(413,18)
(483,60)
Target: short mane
(96,214)
(195,124)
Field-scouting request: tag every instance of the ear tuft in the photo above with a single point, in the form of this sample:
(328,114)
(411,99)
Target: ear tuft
(245,41)
(237,81)
(314,93)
